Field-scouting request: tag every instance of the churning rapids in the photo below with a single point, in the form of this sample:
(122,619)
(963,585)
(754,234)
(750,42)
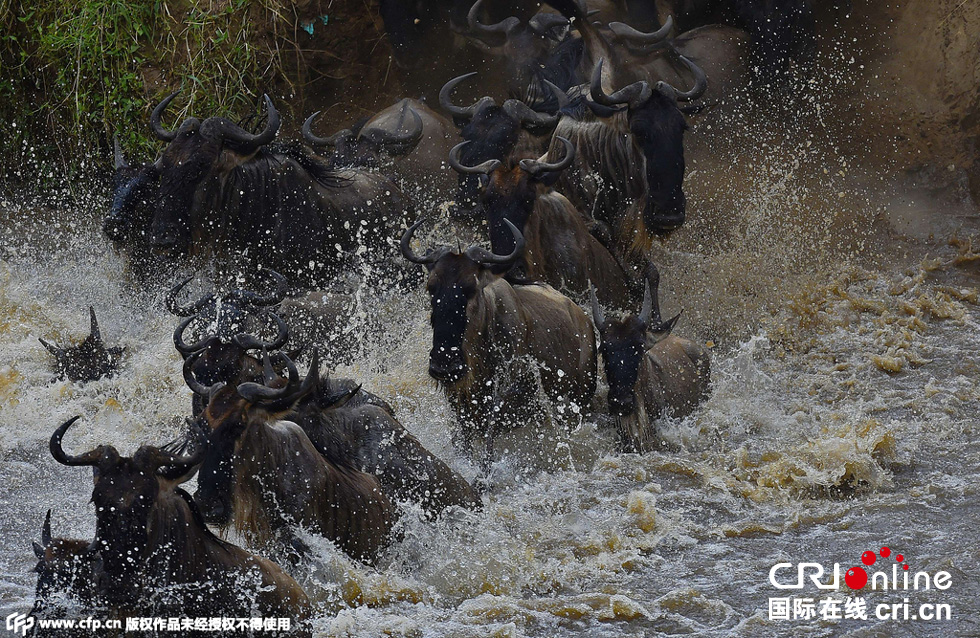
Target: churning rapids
(842,313)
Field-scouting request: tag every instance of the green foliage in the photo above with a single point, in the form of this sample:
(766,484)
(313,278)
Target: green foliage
(75,72)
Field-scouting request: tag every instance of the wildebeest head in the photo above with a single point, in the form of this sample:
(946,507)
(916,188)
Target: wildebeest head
(493,132)
(657,129)
(126,489)
(196,150)
(64,565)
(380,137)
(230,411)
(623,342)
(133,189)
(511,189)
(454,281)
(89,360)
(221,354)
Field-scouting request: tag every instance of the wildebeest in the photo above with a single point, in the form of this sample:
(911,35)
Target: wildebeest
(560,250)
(651,373)
(492,342)
(157,555)
(629,169)
(781,30)
(65,566)
(265,476)
(408,141)
(90,359)
(495,133)
(341,425)
(220,190)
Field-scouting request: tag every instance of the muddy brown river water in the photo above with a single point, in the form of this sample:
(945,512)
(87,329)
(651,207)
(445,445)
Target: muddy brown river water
(841,308)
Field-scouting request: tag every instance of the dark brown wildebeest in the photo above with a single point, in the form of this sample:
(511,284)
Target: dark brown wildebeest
(218,190)
(65,567)
(651,373)
(380,445)
(495,133)
(492,342)
(560,250)
(407,141)
(156,553)
(629,168)
(89,360)
(266,477)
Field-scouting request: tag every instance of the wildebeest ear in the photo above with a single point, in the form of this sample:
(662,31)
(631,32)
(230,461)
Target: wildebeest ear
(38,550)
(658,333)
(548,178)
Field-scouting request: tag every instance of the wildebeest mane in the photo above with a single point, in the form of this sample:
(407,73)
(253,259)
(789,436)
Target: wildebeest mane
(323,172)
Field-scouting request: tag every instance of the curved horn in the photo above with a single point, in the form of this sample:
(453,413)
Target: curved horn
(189,309)
(406,246)
(245,141)
(333,140)
(598,317)
(53,349)
(258,392)
(182,347)
(95,333)
(399,142)
(633,95)
(542,23)
(251,342)
(255,299)
(446,103)
(505,27)
(646,312)
(91,458)
(158,130)
(700,83)
(484,168)
(196,386)
(626,32)
(46,530)
(528,116)
(560,95)
(536,167)
(119,162)
(486,258)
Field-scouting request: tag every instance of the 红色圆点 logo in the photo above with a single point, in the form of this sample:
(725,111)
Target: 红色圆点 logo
(19,623)
(889,572)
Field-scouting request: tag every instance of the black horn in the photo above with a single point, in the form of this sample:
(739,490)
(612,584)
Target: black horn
(158,130)
(634,95)
(504,28)
(91,458)
(119,162)
(528,116)
(700,83)
(244,141)
(626,32)
(406,247)
(333,140)
(484,168)
(458,111)
(484,257)
(249,342)
(179,343)
(189,309)
(537,167)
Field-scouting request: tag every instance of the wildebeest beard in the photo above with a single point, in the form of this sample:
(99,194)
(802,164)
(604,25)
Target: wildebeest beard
(447,359)
(122,512)
(658,129)
(215,482)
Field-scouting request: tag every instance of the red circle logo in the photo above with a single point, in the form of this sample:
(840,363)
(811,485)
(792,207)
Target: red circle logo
(856,578)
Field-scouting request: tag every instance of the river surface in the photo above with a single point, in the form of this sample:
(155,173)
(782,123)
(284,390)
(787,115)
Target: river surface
(841,309)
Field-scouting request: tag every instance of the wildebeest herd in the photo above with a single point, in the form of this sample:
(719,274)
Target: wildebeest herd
(572,177)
